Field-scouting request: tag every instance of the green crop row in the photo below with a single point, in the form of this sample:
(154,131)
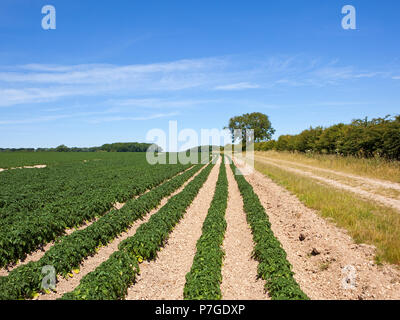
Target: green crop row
(105,282)
(71,250)
(25,190)
(150,236)
(26,230)
(273,266)
(109,281)
(204,279)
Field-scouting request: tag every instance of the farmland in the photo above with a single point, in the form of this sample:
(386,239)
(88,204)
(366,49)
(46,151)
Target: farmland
(110,226)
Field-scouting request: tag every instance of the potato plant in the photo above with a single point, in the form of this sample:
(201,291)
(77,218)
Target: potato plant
(204,279)
(71,250)
(104,282)
(273,266)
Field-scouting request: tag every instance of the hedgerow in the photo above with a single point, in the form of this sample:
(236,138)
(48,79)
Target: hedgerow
(273,266)
(378,137)
(204,279)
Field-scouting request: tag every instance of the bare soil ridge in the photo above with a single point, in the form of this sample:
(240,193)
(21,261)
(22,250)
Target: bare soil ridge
(239,271)
(38,166)
(164,278)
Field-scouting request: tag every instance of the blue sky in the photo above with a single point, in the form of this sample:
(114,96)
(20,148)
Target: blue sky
(113,70)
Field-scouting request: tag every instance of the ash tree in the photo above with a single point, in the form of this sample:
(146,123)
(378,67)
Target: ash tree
(257,121)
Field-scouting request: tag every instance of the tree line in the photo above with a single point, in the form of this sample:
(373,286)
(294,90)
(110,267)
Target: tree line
(378,137)
(112,147)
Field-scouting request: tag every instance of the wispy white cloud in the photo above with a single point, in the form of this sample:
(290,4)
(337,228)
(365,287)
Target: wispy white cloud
(15,96)
(158,103)
(128,118)
(337,103)
(33,120)
(237,86)
(33,83)
(335,74)
(103,73)
(88,116)
(58,68)
(36,83)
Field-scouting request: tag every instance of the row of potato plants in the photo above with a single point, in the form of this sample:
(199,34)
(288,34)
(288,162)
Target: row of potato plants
(109,281)
(67,254)
(113,277)
(204,279)
(63,178)
(25,231)
(23,191)
(273,266)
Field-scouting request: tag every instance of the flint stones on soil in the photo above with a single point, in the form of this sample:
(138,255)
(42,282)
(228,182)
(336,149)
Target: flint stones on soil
(315,252)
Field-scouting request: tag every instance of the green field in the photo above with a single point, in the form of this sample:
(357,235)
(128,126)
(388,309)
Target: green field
(82,202)
(38,205)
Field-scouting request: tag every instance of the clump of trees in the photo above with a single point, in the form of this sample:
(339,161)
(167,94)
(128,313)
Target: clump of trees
(17,149)
(126,147)
(362,137)
(256,121)
(113,147)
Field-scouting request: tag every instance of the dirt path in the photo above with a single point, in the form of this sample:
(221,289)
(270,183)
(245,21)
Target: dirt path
(164,278)
(364,180)
(327,272)
(38,166)
(394,203)
(239,271)
(91,263)
(40,252)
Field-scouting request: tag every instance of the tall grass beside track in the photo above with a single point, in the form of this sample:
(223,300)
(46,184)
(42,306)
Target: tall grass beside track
(366,221)
(378,168)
